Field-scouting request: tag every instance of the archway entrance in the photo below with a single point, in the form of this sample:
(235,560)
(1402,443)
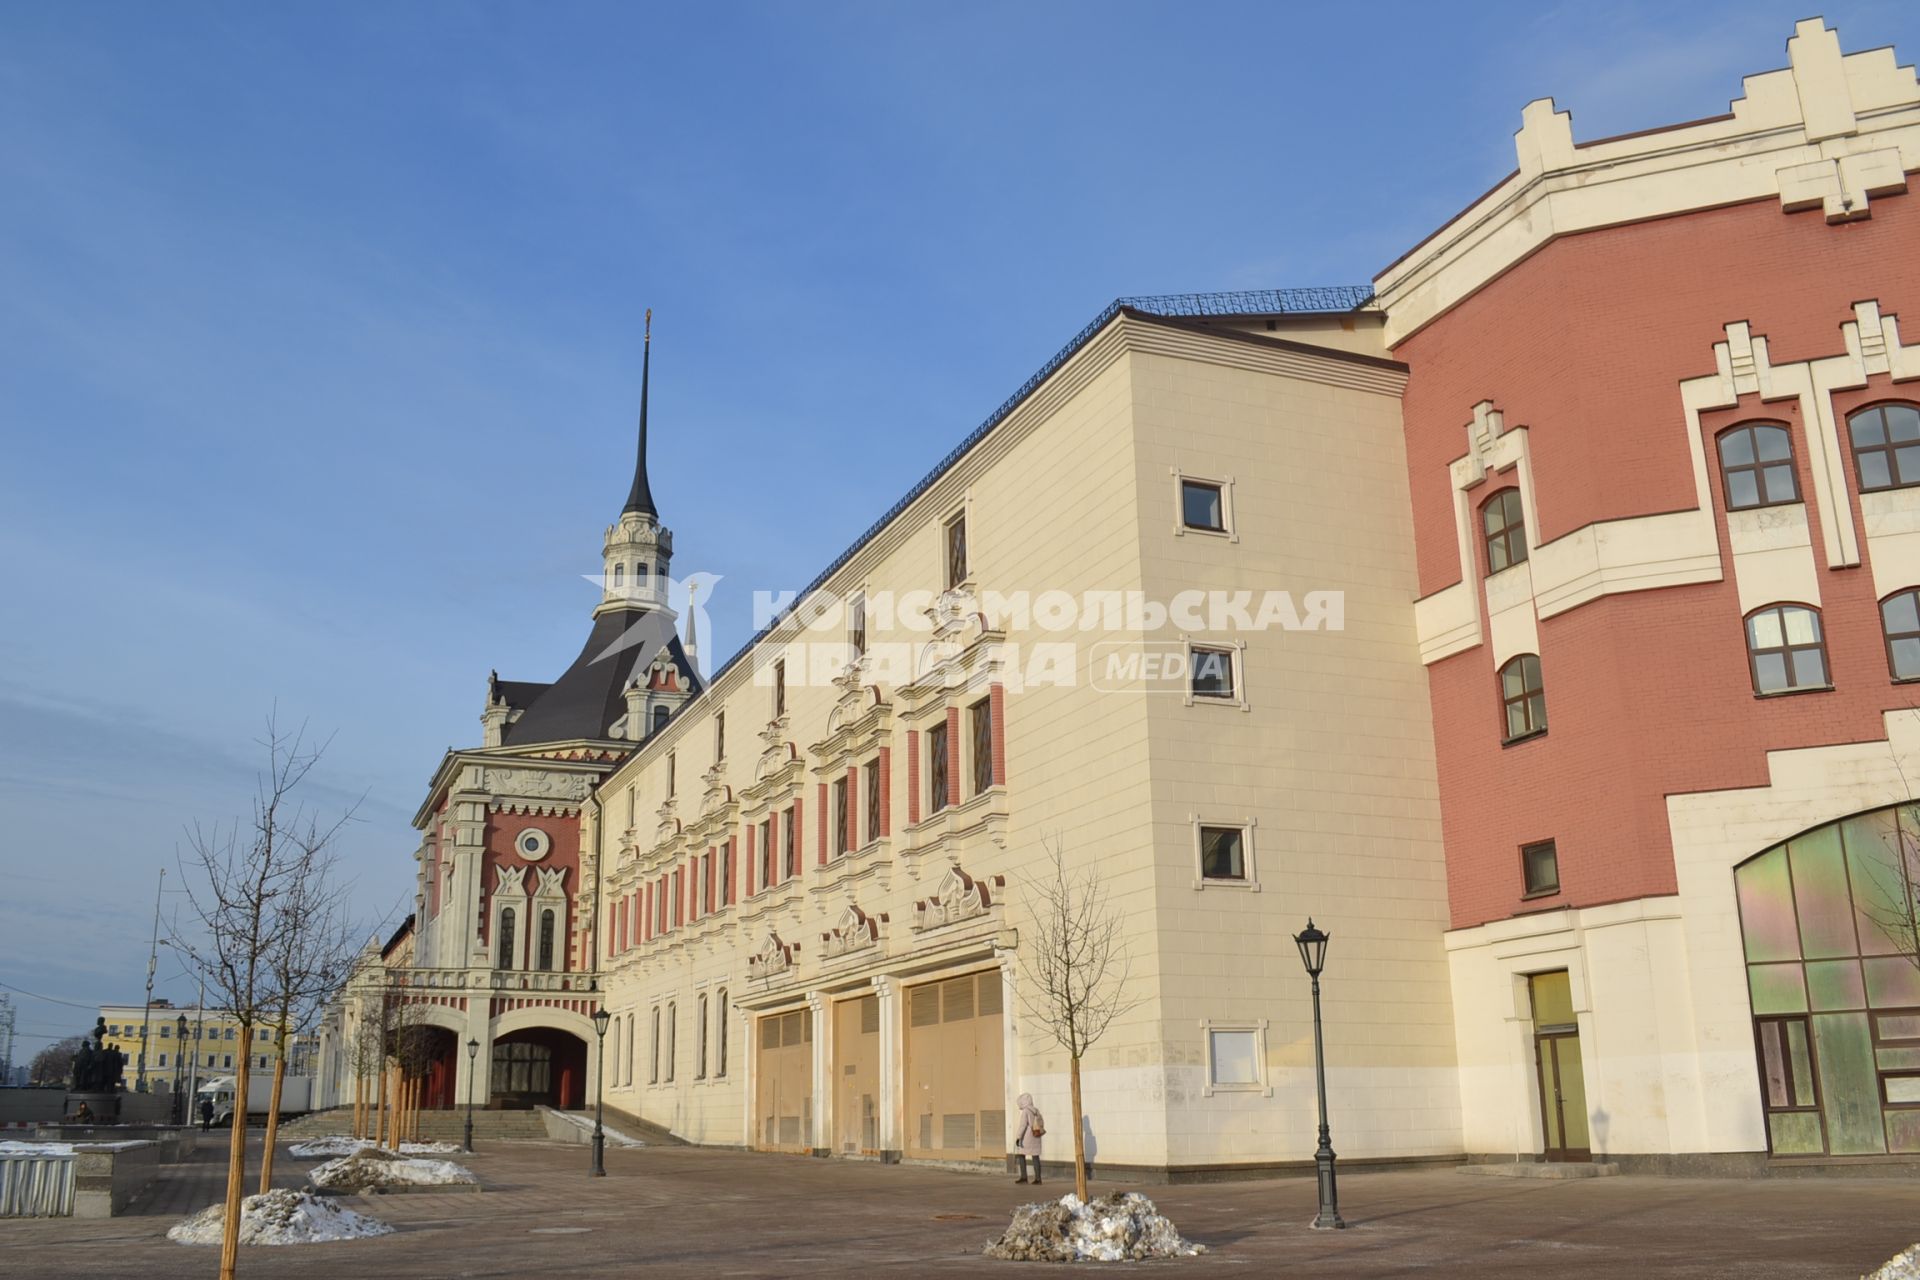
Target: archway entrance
(538,1066)
(1828,923)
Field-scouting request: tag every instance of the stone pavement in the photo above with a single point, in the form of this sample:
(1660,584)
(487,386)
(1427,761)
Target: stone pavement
(686,1212)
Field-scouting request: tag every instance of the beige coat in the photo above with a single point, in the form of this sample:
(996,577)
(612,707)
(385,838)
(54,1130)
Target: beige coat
(1028,1143)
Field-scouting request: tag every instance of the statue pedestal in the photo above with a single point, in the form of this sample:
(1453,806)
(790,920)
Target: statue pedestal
(104,1107)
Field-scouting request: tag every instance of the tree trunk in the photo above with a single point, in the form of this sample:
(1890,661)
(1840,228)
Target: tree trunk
(273,1121)
(379,1083)
(359,1103)
(236,1160)
(1079,1134)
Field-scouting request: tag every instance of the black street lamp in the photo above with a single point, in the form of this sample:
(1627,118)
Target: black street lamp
(473,1057)
(1313,953)
(600,1020)
(179,1109)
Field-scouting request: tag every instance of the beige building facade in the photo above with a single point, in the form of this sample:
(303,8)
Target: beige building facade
(814,918)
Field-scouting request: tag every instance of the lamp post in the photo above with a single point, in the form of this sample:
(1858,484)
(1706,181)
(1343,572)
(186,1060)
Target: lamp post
(473,1058)
(1313,953)
(180,1027)
(600,1020)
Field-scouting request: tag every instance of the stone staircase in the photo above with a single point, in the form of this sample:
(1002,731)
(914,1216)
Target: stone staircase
(1540,1169)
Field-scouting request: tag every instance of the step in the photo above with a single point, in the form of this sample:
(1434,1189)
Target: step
(1553,1171)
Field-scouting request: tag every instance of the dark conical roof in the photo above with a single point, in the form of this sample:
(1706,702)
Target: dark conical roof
(640,497)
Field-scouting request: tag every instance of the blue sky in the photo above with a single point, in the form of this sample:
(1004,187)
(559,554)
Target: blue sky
(320,328)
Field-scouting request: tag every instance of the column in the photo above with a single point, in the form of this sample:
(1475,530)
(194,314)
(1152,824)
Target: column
(822,1137)
(892,1068)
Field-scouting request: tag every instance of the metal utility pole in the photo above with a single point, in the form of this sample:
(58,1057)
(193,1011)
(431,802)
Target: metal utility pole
(153,962)
(6,1039)
(199,1021)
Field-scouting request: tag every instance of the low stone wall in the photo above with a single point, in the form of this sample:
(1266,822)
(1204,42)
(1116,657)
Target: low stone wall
(176,1143)
(107,1176)
(31,1106)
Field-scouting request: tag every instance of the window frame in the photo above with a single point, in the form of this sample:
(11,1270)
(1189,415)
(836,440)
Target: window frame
(653,1049)
(673,1026)
(1526,694)
(842,817)
(1786,648)
(1229,529)
(1200,824)
(720,1034)
(1527,888)
(1887,637)
(870,794)
(979,717)
(1262,1085)
(857,626)
(720,735)
(790,848)
(1236,673)
(768,861)
(1887,446)
(779,688)
(957,570)
(1757,466)
(937,801)
(1505,535)
(700,1037)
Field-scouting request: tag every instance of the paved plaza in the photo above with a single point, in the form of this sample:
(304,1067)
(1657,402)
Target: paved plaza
(683,1211)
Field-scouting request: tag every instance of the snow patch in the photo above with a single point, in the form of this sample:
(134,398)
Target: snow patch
(1117,1228)
(12,1148)
(333,1147)
(372,1169)
(279,1217)
(1902,1266)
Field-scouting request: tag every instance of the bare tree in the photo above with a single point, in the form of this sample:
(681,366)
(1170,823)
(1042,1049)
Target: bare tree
(54,1064)
(1894,906)
(312,953)
(242,881)
(1076,970)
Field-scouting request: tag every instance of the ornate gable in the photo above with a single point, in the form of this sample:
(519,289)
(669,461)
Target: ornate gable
(957,897)
(855,930)
(774,957)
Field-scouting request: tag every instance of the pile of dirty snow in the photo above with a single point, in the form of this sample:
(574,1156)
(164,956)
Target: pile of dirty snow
(1902,1266)
(279,1217)
(331,1148)
(1117,1228)
(13,1148)
(372,1169)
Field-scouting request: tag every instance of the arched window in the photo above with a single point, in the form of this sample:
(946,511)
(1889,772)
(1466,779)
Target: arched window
(1886,446)
(1523,698)
(1900,619)
(503,958)
(630,1021)
(653,1049)
(720,1033)
(546,938)
(1785,649)
(1505,530)
(615,1077)
(1756,466)
(700,1039)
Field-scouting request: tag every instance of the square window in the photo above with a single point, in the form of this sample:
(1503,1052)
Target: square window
(1202,506)
(1540,868)
(1212,675)
(1233,1058)
(1223,853)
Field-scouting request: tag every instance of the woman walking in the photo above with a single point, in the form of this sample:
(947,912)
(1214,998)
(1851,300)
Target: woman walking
(1032,1129)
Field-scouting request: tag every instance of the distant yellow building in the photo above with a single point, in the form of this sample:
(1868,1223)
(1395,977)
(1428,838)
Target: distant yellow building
(213,1040)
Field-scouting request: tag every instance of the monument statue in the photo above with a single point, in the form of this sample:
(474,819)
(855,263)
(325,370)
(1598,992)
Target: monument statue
(86,1067)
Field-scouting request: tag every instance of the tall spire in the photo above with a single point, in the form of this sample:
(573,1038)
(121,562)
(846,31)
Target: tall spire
(640,497)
